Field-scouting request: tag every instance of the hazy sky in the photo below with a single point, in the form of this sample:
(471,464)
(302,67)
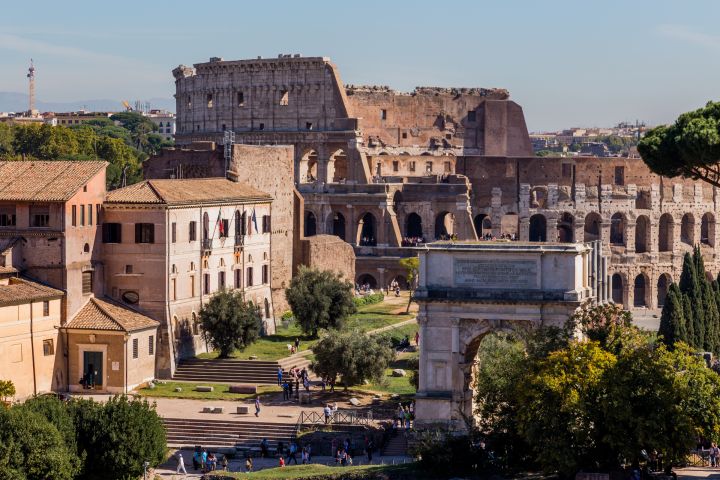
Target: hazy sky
(568,63)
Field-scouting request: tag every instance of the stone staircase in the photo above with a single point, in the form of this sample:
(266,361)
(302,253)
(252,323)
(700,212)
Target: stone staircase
(396,446)
(219,435)
(258,372)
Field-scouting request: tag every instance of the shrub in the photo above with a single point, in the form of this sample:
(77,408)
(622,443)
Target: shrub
(368,299)
(7,389)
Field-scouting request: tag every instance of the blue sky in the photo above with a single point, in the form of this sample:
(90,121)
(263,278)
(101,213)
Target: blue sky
(568,62)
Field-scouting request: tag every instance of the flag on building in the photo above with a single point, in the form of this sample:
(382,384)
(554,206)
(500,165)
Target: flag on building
(221,229)
(254,220)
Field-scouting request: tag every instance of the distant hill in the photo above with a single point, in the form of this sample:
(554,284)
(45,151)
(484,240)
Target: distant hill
(18,102)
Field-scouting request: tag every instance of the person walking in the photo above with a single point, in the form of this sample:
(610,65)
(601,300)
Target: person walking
(203,461)
(248,465)
(257,406)
(369,448)
(292,453)
(180,463)
(328,412)
(280,376)
(297,344)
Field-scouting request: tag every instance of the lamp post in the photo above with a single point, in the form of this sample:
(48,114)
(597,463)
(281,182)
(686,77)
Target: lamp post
(145,467)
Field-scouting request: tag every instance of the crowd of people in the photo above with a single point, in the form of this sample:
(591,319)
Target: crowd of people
(412,241)
(404,416)
(503,236)
(296,376)
(202,460)
(363,289)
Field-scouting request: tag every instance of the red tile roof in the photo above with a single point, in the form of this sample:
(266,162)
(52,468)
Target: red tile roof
(45,181)
(103,314)
(186,191)
(20,290)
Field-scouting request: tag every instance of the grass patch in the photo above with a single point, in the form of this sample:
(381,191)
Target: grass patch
(220,391)
(390,384)
(324,472)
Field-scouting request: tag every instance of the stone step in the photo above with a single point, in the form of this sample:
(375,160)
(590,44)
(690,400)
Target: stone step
(225,434)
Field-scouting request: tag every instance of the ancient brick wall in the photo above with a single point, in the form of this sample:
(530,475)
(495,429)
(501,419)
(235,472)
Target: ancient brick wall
(328,252)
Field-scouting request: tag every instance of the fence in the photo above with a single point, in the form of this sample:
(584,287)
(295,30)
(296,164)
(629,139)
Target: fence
(339,417)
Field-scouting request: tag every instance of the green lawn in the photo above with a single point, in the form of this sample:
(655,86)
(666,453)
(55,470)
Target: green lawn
(325,472)
(220,392)
(390,384)
(274,347)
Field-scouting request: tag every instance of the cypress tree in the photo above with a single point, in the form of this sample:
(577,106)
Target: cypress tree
(672,321)
(690,285)
(712,319)
(689,335)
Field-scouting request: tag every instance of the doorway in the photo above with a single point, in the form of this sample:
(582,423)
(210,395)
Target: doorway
(93,370)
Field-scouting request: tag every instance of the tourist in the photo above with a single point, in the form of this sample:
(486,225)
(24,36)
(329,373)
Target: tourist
(280,376)
(290,389)
(407,418)
(714,454)
(286,395)
(400,415)
(248,464)
(264,448)
(417,338)
(297,344)
(369,449)
(196,460)
(282,462)
(281,448)
(303,456)
(292,452)
(203,460)
(257,406)
(308,448)
(225,463)
(180,463)
(297,386)
(211,462)
(327,413)
(306,384)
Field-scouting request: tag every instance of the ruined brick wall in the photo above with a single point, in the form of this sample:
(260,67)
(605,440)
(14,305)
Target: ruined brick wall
(198,160)
(328,252)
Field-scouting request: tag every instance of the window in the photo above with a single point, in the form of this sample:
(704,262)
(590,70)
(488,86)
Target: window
(86,248)
(308,125)
(472,116)
(151,345)
(87,283)
(112,233)
(135,347)
(404,135)
(238,278)
(224,127)
(192,231)
(619,175)
(265,274)
(82,215)
(284,97)
(144,233)
(192,285)
(128,269)
(48,347)
(173,232)
(262,126)
(448,136)
(428,167)
(189,101)
(266,224)
(84,188)
(396,165)
(225,223)
(241,99)
(566,170)
(97,213)
(209,100)
(249,277)
(448,167)
(173,288)
(46,308)
(74,215)
(221,280)
(206,286)
(39,216)
(412,166)
(7,216)
(383,114)
(90,212)
(130,297)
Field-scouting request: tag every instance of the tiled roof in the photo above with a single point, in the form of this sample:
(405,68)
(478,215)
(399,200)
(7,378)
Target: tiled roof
(45,181)
(7,269)
(20,290)
(186,191)
(100,314)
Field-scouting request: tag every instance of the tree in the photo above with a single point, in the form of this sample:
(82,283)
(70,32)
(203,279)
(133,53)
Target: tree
(229,322)
(608,324)
(412,267)
(689,148)
(672,320)
(7,389)
(354,356)
(320,299)
(58,414)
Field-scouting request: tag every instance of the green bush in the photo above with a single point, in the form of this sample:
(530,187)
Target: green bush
(368,299)
(287,316)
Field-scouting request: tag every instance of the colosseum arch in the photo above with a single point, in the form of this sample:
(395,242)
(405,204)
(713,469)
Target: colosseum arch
(592,226)
(367,231)
(666,233)
(663,285)
(617,229)
(310,224)
(413,226)
(308,167)
(642,234)
(337,169)
(538,228)
(618,288)
(367,279)
(444,225)
(483,224)
(566,226)
(336,224)
(687,229)
(640,291)
(707,229)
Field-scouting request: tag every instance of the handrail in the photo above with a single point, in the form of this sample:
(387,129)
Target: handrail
(338,417)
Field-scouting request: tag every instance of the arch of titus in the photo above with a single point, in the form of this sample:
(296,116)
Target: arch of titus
(469,290)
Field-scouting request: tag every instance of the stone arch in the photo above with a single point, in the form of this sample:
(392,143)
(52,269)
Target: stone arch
(367,278)
(308,166)
(444,225)
(687,229)
(538,197)
(310,224)
(483,224)
(413,226)
(617,287)
(593,221)
(402,281)
(642,234)
(397,201)
(663,284)
(538,228)
(666,228)
(617,229)
(337,224)
(367,230)
(566,228)
(337,169)
(640,290)
(707,229)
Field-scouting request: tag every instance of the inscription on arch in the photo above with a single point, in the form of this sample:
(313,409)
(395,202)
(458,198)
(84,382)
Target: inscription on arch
(496,274)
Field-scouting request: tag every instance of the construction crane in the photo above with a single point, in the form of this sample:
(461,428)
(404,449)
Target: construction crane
(127,106)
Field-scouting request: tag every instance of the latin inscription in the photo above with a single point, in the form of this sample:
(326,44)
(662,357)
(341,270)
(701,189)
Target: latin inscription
(500,274)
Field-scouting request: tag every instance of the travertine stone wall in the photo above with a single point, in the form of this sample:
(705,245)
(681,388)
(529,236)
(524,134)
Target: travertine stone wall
(328,252)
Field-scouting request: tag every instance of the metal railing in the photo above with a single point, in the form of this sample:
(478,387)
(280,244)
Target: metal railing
(207,245)
(339,417)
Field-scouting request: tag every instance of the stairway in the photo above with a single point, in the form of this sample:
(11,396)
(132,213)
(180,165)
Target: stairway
(237,371)
(218,435)
(396,446)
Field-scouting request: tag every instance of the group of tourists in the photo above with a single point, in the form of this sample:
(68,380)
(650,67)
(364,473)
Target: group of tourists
(329,412)
(202,460)
(503,236)
(404,416)
(363,289)
(394,287)
(412,241)
(342,452)
(296,377)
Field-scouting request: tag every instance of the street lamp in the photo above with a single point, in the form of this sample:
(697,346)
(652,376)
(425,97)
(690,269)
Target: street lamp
(146,464)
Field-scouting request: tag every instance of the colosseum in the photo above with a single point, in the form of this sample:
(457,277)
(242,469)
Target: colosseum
(386,170)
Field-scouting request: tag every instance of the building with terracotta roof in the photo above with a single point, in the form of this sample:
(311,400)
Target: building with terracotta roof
(170,244)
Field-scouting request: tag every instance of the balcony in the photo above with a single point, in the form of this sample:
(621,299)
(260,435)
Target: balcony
(207,246)
(239,242)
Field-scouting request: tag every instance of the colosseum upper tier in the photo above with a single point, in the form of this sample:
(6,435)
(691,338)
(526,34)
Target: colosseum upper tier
(385,170)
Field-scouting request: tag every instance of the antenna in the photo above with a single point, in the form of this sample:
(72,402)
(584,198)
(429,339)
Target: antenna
(229,140)
(31,81)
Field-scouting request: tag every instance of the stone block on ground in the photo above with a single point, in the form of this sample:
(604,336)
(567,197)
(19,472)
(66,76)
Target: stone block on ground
(253,357)
(242,388)
(207,409)
(354,402)
(217,410)
(398,372)
(204,388)
(178,389)
(243,410)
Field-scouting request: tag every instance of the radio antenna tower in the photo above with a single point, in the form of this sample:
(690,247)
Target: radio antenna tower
(31,80)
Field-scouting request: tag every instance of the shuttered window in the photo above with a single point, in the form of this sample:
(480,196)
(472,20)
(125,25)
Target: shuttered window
(87,281)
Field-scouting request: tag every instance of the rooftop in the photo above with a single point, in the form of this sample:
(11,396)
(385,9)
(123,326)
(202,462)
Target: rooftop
(20,290)
(45,181)
(100,314)
(186,191)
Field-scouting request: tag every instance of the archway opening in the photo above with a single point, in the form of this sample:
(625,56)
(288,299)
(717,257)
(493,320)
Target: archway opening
(663,285)
(337,167)
(592,227)
(617,288)
(639,291)
(617,229)
(366,231)
(687,229)
(308,167)
(666,227)
(483,225)
(402,282)
(707,230)
(642,234)
(413,226)
(538,228)
(310,224)
(367,281)
(566,228)
(444,226)
(338,224)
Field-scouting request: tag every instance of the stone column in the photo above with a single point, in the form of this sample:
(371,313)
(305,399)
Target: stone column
(423,368)
(524,232)
(551,229)
(630,235)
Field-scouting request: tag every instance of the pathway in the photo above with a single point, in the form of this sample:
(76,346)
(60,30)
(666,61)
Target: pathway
(697,473)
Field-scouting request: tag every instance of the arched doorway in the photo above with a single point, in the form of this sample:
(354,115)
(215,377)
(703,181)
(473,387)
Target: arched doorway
(402,282)
(367,279)
(663,285)
(617,288)
(707,230)
(483,225)
(566,228)
(617,229)
(687,229)
(639,292)
(366,231)
(666,233)
(642,234)
(413,226)
(308,167)
(538,228)
(444,226)
(592,227)
(338,224)
(337,167)
(310,224)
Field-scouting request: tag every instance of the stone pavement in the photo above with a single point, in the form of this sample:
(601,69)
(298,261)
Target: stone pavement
(697,473)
